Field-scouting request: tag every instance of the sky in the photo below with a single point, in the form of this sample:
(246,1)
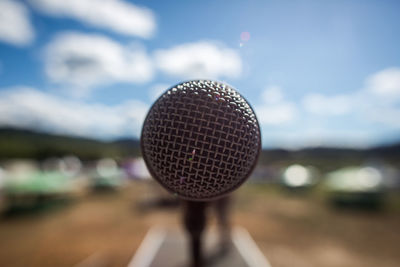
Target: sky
(317,73)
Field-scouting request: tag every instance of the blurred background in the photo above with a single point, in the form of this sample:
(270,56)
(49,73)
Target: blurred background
(77,78)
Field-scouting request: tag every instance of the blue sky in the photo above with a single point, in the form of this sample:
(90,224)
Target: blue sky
(316,72)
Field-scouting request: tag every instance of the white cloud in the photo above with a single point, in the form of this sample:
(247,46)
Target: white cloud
(29,108)
(389,116)
(275,110)
(317,137)
(272,94)
(385,83)
(320,120)
(319,104)
(376,102)
(381,98)
(115,15)
(276,114)
(157,89)
(15,26)
(199,60)
(87,60)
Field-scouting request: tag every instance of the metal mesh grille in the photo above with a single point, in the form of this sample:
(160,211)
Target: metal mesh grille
(200,140)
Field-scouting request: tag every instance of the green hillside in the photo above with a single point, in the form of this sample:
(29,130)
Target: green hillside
(15,143)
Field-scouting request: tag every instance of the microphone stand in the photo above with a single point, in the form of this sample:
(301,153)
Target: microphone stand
(194,220)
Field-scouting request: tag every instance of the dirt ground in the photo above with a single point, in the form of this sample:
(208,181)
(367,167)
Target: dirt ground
(105,229)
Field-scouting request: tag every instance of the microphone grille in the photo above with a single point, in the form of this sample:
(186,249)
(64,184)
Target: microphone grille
(200,140)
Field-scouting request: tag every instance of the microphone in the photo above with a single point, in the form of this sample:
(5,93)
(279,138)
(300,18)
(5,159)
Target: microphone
(201,140)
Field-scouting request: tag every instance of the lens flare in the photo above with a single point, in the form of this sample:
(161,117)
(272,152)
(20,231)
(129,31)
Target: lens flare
(245,36)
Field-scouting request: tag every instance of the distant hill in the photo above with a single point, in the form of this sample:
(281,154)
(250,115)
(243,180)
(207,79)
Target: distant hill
(331,158)
(128,142)
(17,143)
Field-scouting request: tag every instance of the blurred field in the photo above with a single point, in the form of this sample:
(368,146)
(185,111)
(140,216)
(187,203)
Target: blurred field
(105,229)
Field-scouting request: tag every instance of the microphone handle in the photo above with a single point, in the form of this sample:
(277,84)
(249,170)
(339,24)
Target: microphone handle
(194,220)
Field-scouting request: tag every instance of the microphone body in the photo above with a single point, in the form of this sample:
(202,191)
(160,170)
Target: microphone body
(201,140)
